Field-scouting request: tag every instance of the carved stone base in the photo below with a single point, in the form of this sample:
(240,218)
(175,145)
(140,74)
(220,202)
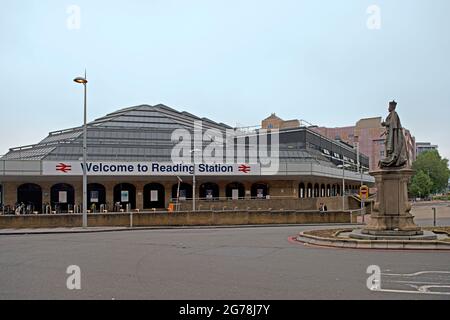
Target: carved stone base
(393,235)
(381,223)
(390,214)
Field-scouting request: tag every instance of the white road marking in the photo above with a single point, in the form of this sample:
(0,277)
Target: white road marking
(424,289)
(410,291)
(415,274)
(419,282)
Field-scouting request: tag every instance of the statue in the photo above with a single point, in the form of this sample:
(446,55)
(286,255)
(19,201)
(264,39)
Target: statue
(391,217)
(395,154)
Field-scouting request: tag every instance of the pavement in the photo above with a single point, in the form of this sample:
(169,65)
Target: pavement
(25,231)
(211,263)
(423,213)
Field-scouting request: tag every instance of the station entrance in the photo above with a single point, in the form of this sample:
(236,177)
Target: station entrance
(96,196)
(124,194)
(30,196)
(209,191)
(62,198)
(154,196)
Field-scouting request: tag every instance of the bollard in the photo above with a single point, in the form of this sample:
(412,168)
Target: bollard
(131,219)
(434,217)
(363,210)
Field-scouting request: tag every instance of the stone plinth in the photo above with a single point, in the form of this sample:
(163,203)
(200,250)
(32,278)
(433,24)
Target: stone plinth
(391,215)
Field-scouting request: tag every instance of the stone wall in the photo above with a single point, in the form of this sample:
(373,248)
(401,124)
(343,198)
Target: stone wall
(201,218)
(332,203)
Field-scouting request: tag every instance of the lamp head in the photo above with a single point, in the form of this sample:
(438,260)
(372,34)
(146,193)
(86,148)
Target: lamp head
(80,80)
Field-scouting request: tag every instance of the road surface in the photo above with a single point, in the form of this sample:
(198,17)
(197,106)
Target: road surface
(226,263)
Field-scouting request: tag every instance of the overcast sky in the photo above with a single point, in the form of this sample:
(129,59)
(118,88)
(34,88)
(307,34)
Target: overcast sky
(234,61)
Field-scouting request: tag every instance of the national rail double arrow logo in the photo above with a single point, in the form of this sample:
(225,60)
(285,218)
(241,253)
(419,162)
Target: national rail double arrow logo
(244,168)
(63,167)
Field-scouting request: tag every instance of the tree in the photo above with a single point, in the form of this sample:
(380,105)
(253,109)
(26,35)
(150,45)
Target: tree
(421,185)
(431,164)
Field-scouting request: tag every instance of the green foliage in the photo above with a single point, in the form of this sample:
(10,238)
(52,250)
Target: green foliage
(442,198)
(421,185)
(436,168)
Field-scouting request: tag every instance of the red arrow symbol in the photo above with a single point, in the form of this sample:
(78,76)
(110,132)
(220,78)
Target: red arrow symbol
(63,167)
(244,168)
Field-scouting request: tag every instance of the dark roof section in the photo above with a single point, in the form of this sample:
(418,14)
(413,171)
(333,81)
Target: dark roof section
(144,133)
(143,130)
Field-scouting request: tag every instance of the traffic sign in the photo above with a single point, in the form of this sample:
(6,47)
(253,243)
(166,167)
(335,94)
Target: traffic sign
(364,192)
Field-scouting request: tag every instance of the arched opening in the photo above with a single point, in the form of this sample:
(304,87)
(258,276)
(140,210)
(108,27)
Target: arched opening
(124,193)
(30,195)
(235,190)
(62,197)
(1,195)
(333,192)
(301,190)
(309,194)
(328,191)
(338,190)
(209,191)
(259,190)
(322,190)
(185,191)
(96,193)
(154,196)
(316,190)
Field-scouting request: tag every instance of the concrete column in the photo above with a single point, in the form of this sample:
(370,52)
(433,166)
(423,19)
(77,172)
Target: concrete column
(46,188)
(295,189)
(248,189)
(78,188)
(222,189)
(109,189)
(10,193)
(168,192)
(139,195)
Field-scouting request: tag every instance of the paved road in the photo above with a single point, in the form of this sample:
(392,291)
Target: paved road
(232,263)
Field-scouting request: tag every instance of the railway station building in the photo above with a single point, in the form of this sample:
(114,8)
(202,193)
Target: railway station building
(130,167)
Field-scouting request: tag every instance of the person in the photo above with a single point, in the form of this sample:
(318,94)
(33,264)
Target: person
(395,144)
(321,207)
(325,208)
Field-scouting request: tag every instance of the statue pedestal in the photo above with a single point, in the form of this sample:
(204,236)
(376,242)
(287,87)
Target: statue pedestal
(391,213)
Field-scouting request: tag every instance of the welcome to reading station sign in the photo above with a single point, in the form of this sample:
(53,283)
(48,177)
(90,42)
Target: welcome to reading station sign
(102,168)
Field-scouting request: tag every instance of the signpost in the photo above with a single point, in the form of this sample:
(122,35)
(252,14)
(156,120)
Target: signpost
(363,196)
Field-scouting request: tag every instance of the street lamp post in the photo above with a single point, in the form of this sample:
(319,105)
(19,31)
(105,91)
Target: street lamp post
(84,81)
(360,167)
(178,192)
(193,190)
(193,179)
(343,184)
